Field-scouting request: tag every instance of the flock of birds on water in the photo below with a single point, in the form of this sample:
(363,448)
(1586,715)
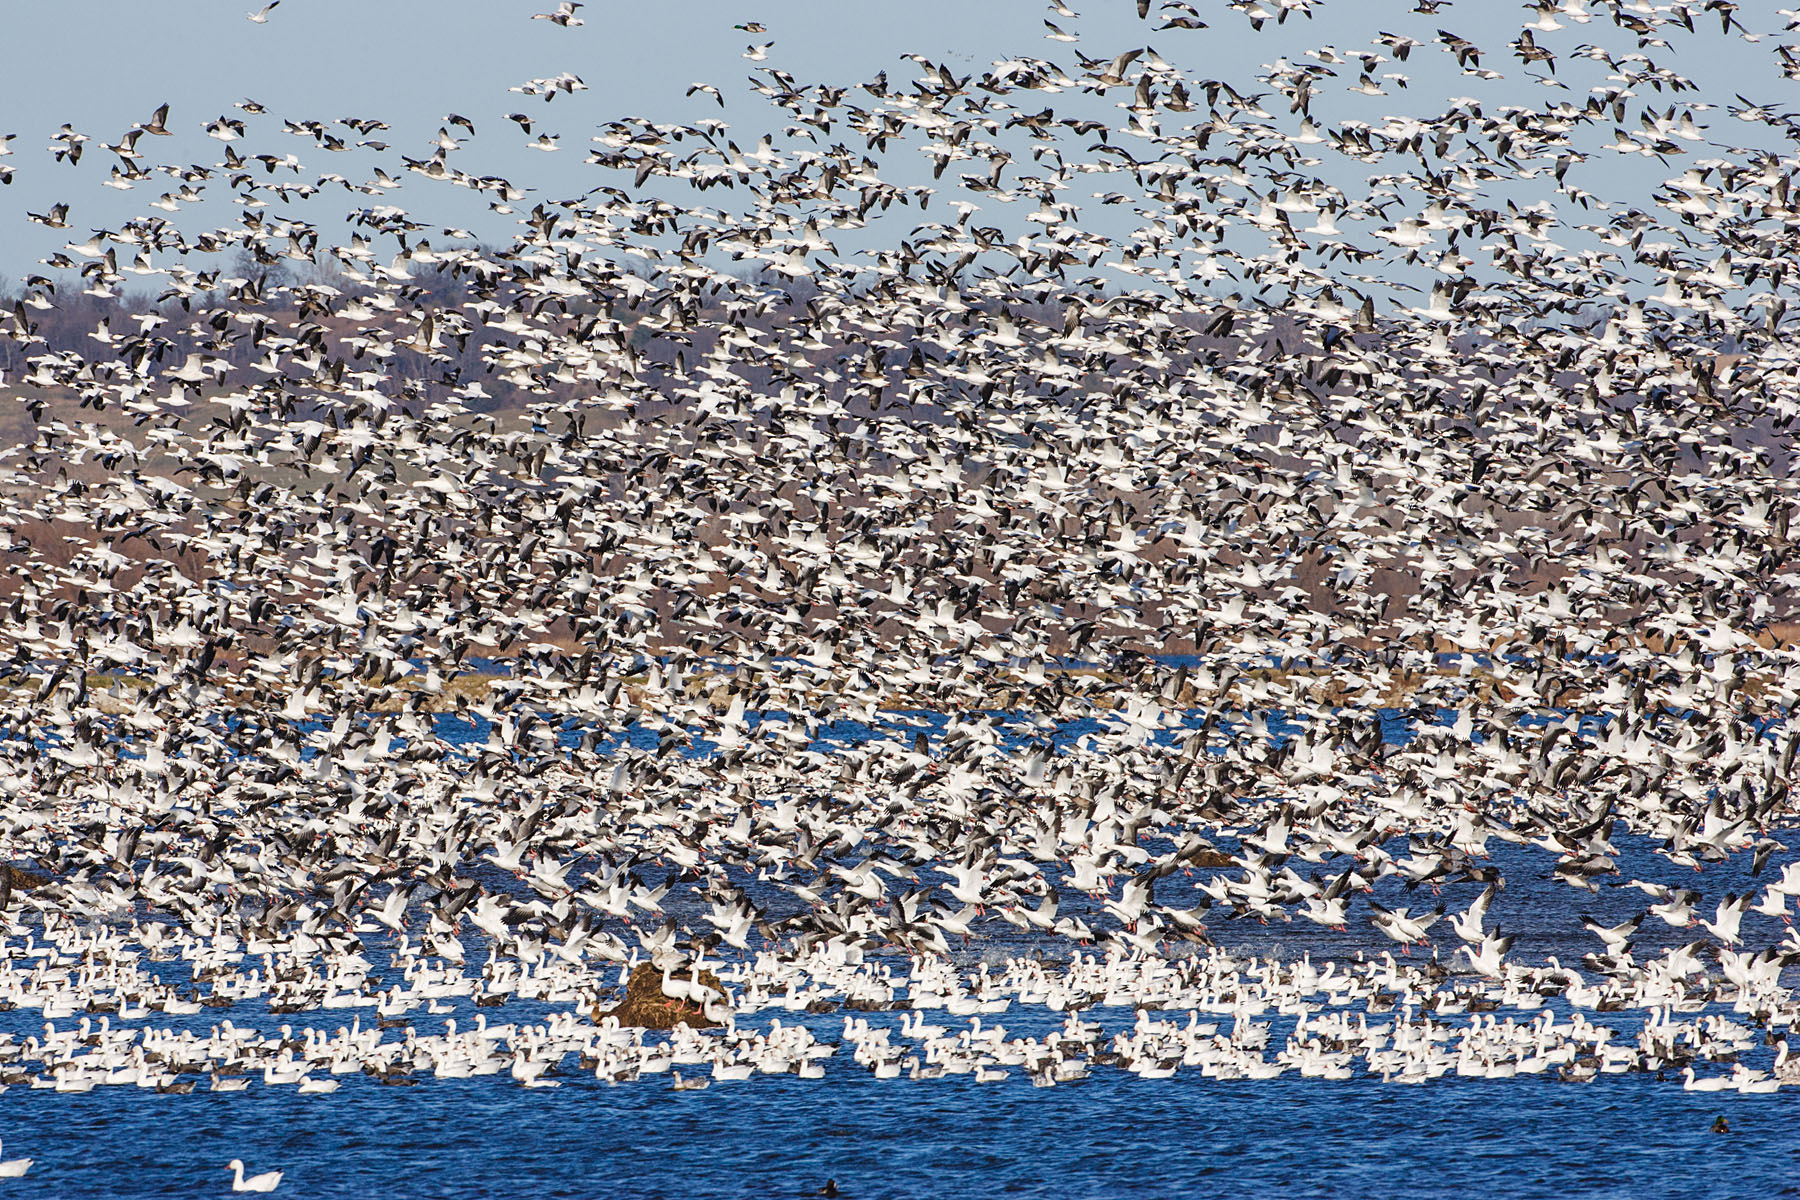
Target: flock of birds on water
(1229,592)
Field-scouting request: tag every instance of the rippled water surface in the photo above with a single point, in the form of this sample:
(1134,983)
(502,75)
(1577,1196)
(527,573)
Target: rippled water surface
(1113,1135)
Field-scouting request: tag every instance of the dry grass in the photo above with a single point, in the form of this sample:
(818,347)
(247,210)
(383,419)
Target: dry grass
(645,1006)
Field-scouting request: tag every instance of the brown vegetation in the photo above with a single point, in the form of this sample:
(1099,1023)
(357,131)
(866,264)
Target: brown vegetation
(646,1007)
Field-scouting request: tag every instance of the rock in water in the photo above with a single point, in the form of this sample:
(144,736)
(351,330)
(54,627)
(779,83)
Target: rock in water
(646,1007)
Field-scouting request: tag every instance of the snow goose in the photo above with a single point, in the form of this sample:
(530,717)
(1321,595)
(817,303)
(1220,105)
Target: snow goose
(268,1181)
(1715,1083)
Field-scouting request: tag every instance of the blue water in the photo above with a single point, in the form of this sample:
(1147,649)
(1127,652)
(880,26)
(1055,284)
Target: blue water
(1112,1135)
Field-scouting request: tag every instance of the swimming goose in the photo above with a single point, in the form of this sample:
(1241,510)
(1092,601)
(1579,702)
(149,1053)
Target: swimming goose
(268,1181)
(14,1168)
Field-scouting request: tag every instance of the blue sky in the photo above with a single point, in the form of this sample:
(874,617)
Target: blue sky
(101,66)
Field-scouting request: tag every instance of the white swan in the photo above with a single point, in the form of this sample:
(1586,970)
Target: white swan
(268,1181)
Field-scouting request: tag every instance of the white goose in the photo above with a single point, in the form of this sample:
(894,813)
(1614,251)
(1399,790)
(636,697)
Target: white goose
(268,1181)
(1714,1083)
(14,1168)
